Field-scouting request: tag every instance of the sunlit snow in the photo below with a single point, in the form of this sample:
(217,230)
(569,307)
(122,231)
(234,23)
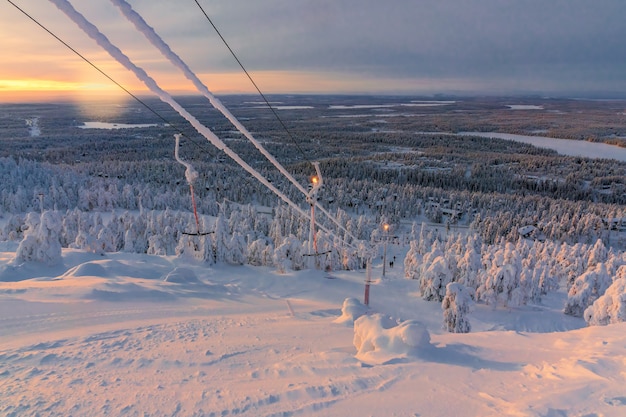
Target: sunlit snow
(160,336)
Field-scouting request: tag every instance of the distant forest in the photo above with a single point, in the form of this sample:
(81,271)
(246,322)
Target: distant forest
(391,157)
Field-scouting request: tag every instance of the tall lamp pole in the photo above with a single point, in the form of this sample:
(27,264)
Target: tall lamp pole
(385,236)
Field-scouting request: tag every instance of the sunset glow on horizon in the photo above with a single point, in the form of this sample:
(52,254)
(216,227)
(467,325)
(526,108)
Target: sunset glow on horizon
(323,48)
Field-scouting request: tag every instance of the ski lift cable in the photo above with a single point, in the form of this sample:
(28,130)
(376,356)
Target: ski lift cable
(102,72)
(143,103)
(142,26)
(93,32)
(273,111)
(254,83)
(190,175)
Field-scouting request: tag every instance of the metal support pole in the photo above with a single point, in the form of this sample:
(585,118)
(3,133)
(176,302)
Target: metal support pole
(385,237)
(368,280)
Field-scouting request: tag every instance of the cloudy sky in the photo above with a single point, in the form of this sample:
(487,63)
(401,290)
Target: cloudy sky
(554,47)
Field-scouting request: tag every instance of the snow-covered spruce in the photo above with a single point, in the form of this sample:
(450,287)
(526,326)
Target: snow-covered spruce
(456,306)
(610,307)
(586,290)
(41,239)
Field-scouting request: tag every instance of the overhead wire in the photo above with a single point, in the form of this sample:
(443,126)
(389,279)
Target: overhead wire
(275,114)
(168,123)
(284,126)
(93,32)
(153,37)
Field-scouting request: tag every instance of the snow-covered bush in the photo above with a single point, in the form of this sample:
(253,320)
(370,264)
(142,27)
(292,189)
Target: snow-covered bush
(455,306)
(378,339)
(351,310)
(610,307)
(586,290)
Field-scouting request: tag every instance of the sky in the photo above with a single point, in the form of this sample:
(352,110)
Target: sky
(568,48)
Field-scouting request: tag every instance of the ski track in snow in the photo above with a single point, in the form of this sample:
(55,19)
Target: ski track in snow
(229,345)
(183,368)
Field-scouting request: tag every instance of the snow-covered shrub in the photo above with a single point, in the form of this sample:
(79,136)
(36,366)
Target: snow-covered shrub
(586,290)
(378,339)
(610,307)
(455,306)
(351,310)
(41,239)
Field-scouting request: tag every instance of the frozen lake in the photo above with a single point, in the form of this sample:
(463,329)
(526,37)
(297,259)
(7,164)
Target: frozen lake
(563,146)
(104,125)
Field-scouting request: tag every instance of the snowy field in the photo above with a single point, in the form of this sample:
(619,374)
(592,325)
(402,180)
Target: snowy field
(127,334)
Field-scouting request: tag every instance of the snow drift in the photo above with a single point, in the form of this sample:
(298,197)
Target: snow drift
(378,340)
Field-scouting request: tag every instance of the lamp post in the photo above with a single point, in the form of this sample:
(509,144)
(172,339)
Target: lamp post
(385,236)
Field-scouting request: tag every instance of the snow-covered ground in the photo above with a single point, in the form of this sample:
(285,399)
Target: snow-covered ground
(128,334)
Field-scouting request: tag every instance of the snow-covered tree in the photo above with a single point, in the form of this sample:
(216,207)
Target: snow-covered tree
(502,279)
(288,255)
(41,239)
(610,307)
(220,239)
(256,253)
(236,254)
(455,306)
(586,290)
(434,279)
(412,261)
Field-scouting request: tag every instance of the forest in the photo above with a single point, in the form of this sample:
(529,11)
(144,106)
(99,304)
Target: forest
(518,220)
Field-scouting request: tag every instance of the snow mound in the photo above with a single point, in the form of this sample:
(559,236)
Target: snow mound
(351,310)
(87,269)
(181,275)
(378,340)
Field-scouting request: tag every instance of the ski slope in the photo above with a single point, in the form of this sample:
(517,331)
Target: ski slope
(128,334)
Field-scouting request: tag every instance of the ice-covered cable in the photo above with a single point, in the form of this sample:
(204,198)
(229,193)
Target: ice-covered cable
(142,26)
(92,31)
